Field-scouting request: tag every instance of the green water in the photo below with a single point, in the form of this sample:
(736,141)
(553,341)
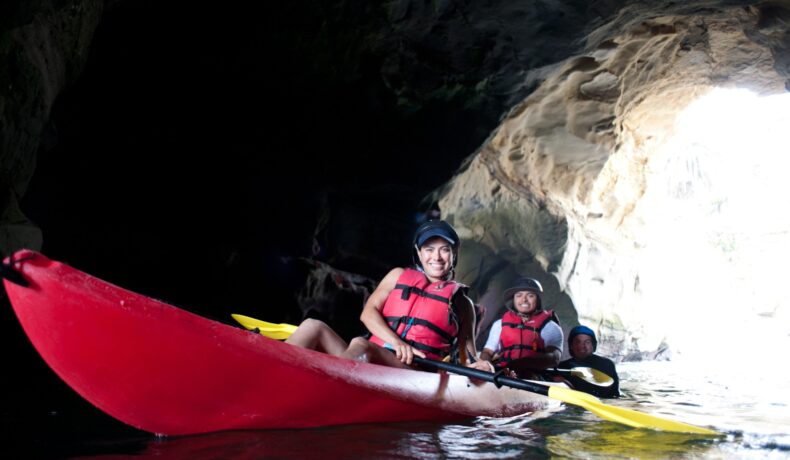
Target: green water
(749,409)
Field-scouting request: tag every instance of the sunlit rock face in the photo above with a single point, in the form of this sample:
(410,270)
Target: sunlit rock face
(602,184)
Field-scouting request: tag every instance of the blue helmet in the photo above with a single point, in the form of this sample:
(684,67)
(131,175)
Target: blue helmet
(582,330)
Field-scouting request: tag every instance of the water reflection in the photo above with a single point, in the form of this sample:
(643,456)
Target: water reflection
(487,438)
(752,415)
(609,440)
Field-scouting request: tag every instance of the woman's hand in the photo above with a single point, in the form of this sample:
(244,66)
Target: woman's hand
(405,353)
(482,365)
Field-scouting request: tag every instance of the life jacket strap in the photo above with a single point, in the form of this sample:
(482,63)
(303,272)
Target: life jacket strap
(428,348)
(407,290)
(523,326)
(396,321)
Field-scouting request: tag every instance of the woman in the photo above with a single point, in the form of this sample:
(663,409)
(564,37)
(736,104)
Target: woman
(418,311)
(528,338)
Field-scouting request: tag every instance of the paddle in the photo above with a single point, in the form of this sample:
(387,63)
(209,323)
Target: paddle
(282,331)
(279,331)
(621,415)
(588,374)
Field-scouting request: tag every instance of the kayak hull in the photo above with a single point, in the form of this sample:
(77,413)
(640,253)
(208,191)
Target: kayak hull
(167,371)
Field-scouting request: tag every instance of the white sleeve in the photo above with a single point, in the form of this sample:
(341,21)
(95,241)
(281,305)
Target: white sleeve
(552,335)
(493,336)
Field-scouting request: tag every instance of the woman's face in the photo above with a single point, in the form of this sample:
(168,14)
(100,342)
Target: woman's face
(525,302)
(436,258)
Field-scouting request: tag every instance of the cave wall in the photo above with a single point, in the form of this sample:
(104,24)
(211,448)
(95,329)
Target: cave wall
(563,182)
(552,109)
(225,139)
(43,48)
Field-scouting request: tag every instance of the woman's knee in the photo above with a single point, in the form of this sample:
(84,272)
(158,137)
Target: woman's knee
(359,342)
(313,324)
(358,349)
(309,333)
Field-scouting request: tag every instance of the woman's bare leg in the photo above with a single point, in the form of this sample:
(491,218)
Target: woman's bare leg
(361,349)
(316,335)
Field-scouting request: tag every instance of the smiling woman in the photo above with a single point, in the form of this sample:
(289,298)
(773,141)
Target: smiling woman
(418,311)
(439,319)
(527,339)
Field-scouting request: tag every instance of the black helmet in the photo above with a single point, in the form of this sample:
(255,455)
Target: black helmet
(434,228)
(523,284)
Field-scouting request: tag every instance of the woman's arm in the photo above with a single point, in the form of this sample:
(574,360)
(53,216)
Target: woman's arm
(372,318)
(486,355)
(489,352)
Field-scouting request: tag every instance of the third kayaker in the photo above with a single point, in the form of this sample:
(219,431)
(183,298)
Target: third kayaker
(418,311)
(582,345)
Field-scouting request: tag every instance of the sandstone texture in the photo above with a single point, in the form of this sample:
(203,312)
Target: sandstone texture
(578,178)
(614,150)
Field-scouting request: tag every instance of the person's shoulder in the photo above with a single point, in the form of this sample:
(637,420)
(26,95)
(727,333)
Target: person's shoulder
(602,359)
(554,326)
(395,272)
(571,362)
(391,279)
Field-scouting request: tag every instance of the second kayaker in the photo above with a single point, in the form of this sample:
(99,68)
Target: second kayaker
(528,338)
(420,311)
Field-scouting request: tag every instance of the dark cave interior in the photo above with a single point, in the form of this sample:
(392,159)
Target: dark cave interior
(201,146)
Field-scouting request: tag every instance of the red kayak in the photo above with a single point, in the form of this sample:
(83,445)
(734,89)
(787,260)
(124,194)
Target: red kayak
(167,371)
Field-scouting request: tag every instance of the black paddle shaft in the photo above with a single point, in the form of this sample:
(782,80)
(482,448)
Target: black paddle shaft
(494,377)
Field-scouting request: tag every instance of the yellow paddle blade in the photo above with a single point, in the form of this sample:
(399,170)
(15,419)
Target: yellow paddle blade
(274,331)
(591,375)
(622,415)
(601,377)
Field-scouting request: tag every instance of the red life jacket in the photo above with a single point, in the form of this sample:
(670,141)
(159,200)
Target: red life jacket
(521,339)
(422,314)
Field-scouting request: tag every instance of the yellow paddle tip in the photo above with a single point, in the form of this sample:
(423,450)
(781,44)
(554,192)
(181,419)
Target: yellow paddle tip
(623,415)
(277,331)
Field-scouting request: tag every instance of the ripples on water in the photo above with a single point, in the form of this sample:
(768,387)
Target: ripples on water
(750,410)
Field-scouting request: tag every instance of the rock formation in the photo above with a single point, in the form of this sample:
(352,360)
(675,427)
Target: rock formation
(42,49)
(571,181)
(590,179)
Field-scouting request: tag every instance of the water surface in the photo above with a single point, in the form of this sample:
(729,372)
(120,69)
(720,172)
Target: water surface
(751,412)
